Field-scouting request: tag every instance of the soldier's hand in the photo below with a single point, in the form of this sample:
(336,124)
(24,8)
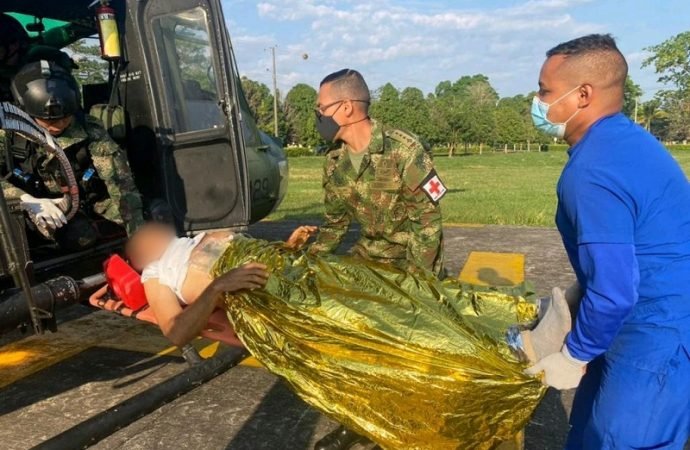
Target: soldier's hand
(300,236)
(44,212)
(249,276)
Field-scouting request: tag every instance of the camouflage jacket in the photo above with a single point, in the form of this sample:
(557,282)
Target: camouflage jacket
(105,180)
(400,224)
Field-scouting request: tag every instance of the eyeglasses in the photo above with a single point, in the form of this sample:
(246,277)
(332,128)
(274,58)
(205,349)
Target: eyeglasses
(319,110)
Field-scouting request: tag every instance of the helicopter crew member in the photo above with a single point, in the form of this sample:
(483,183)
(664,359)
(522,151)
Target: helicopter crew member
(49,93)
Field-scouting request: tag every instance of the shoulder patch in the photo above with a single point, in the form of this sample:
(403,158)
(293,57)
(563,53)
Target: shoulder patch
(433,187)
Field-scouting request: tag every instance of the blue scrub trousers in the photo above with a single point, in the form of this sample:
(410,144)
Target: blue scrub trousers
(636,396)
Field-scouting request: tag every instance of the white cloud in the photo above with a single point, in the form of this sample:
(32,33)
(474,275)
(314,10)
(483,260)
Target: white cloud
(637,57)
(409,43)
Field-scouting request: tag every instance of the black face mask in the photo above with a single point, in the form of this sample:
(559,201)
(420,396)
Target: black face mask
(327,126)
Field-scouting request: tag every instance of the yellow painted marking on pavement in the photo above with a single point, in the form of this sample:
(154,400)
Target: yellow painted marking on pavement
(463,225)
(43,354)
(14,357)
(209,350)
(102,329)
(250,361)
(494,269)
(169,351)
(32,354)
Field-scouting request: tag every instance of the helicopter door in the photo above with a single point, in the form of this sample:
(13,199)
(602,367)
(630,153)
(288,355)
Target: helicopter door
(203,164)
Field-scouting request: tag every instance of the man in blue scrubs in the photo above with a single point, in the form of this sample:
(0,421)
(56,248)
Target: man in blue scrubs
(624,216)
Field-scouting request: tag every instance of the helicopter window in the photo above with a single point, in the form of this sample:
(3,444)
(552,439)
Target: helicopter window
(188,68)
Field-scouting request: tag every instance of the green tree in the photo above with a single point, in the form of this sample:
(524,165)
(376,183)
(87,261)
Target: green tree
(466,110)
(631,93)
(414,111)
(510,125)
(476,86)
(671,60)
(520,103)
(443,88)
(386,106)
(260,102)
(673,122)
(451,116)
(481,99)
(300,117)
(649,113)
(92,69)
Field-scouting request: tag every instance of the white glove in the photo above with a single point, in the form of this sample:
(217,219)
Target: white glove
(44,212)
(561,371)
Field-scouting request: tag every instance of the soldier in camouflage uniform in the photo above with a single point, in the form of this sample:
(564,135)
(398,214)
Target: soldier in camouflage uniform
(48,92)
(382,178)
(389,186)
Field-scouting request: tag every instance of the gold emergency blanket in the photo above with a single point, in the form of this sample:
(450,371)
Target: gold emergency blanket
(408,361)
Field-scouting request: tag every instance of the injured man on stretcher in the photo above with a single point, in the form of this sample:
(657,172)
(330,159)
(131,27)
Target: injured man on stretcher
(407,360)
(176,272)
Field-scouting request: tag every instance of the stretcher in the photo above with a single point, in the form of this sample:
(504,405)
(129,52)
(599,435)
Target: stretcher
(123,294)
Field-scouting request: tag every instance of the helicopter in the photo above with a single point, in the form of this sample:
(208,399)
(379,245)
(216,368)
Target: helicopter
(173,101)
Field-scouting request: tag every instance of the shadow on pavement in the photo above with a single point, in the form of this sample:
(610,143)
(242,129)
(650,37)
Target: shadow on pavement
(92,365)
(491,277)
(293,429)
(549,426)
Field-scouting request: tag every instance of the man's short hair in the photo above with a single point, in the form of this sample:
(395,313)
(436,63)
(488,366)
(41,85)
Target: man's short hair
(597,57)
(585,44)
(347,84)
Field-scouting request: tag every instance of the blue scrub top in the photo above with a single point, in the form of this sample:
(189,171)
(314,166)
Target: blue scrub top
(620,186)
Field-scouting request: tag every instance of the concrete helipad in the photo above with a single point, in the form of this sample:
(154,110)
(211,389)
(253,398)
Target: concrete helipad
(51,383)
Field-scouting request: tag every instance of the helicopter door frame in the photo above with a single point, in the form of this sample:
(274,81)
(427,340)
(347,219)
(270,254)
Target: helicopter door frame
(202,153)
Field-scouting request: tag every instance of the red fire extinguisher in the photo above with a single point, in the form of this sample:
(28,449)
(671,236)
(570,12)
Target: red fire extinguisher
(107,32)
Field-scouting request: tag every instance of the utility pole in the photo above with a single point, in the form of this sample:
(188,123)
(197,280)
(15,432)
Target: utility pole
(635,109)
(275,93)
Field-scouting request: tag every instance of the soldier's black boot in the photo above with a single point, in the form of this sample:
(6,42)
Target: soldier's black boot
(339,439)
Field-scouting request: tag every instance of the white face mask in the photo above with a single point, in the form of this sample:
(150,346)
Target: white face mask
(540,111)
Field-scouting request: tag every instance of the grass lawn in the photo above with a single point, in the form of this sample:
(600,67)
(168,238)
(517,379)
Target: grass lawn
(493,188)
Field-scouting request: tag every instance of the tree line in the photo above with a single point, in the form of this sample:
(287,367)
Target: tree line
(469,111)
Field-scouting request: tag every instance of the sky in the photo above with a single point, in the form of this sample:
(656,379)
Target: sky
(420,43)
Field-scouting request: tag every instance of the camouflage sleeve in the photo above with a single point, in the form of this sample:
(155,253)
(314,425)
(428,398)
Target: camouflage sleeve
(336,220)
(8,189)
(111,164)
(11,191)
(425,248)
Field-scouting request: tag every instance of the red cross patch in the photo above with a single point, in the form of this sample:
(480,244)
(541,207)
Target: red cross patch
(434,188)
